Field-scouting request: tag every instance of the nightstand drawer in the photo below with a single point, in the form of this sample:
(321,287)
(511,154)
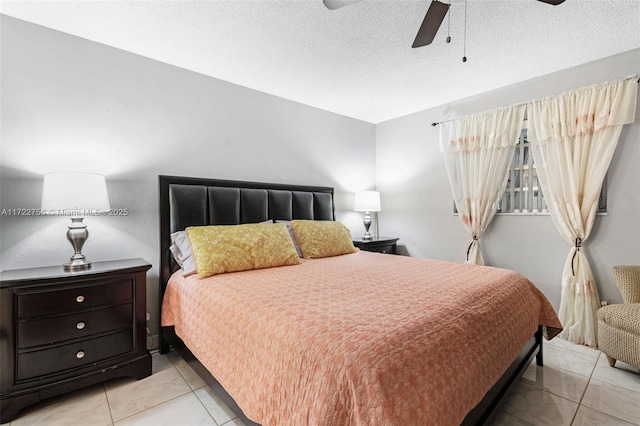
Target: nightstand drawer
(382,248)
(56,359)
(79,298)
(386,245)
(58,329)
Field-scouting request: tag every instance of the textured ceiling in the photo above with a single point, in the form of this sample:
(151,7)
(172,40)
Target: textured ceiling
(355,61)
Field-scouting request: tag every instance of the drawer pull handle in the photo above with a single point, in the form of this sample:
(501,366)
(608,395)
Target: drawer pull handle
(80,299)
(80,354)
(80,325)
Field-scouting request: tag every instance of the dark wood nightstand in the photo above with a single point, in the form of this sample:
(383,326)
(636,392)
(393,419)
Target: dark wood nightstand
(62,331)
(378,244)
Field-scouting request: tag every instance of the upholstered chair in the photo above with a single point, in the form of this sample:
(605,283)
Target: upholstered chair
(619,324)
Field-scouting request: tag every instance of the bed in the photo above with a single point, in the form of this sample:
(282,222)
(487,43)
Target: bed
(356,339)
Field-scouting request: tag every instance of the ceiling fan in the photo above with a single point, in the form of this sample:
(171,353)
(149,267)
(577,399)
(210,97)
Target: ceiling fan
(432,20)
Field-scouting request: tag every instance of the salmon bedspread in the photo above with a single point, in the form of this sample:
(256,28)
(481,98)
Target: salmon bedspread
(358,339)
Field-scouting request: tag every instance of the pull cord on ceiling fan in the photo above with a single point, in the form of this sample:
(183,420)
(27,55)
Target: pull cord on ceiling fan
(432,20)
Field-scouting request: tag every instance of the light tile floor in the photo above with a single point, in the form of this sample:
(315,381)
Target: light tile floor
(575,387)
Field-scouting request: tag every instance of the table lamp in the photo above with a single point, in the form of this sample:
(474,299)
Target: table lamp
(367,202)
(76,195)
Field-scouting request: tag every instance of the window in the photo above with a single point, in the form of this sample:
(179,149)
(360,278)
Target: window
(523,193)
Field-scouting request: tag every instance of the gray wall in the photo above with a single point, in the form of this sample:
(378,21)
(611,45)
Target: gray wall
(71,104)
(417,201)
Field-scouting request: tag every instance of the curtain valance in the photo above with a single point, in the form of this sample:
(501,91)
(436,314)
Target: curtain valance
(493,129)
(585,110)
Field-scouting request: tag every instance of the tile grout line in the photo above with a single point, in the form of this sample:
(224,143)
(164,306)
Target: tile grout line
(106,396)
(154,406)
(157,405)
(579,404)
(585,389)
(205,408)
(193,391)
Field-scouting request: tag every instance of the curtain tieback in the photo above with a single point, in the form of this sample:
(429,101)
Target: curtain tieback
(578,246)
(475,238)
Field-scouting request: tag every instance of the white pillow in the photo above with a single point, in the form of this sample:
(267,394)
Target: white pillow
(182,253)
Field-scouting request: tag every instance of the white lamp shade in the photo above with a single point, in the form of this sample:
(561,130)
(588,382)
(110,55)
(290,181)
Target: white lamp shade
(74,191)
(367,201)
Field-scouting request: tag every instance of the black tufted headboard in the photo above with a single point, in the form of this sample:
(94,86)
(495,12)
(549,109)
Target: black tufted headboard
(187,201)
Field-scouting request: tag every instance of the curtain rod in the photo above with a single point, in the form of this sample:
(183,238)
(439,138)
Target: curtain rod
(453,119)
(437,123)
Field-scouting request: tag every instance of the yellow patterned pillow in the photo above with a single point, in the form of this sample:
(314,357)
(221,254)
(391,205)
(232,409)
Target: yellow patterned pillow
(232,248)
(322,238)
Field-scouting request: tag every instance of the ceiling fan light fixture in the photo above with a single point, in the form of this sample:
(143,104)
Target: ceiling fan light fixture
(552,2)
(337,4)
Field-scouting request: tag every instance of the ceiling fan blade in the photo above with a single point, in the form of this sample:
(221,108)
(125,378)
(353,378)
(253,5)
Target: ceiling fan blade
(336,4)
(552,2)
(432,20)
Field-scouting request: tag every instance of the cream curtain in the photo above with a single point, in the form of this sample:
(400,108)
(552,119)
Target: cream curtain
(477,151)
(573,137)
